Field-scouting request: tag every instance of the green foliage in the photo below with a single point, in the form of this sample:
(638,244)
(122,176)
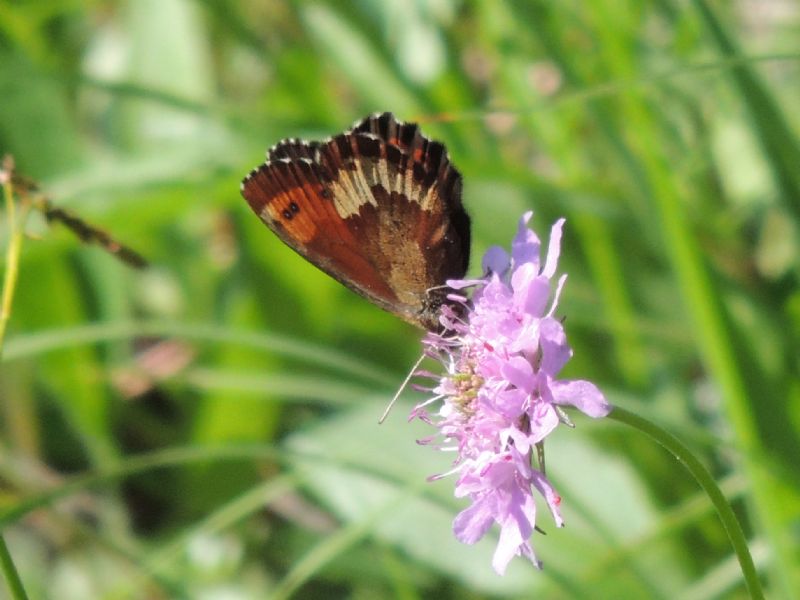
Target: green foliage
(208,424)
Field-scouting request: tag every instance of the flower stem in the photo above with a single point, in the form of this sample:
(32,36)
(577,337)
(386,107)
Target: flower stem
(15,231)
(706,481)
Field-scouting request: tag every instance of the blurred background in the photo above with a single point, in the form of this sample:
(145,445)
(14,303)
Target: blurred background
(206,427)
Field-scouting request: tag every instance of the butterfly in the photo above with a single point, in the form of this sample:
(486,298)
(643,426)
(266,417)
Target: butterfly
(377,207)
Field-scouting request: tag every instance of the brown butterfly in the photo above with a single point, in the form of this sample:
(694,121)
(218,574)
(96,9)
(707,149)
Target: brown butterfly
(377,207)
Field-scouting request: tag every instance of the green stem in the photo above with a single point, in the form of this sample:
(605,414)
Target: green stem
(10,573)
(15,231)
(706,481)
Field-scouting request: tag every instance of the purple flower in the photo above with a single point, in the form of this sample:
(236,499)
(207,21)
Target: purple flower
(500,396)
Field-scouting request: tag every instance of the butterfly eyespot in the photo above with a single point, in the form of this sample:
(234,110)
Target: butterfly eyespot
(294,208)
(287,214)
(325,193)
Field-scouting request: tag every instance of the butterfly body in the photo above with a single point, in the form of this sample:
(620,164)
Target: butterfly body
(377,207)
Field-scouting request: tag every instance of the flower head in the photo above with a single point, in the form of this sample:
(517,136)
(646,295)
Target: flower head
(500,396)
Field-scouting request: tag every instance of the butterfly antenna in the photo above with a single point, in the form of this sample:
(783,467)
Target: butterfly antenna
(400,390)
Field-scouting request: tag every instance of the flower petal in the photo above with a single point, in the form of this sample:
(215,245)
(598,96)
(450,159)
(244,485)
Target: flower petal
(555,350)
(511,404)
(495,260)
(519,373)
(525,247)
(553,500)
(472,523)
(458,284)
(516,525)
(507,547)
(557,296)
(553,249)
(543,420)
(531,291)
(583,395)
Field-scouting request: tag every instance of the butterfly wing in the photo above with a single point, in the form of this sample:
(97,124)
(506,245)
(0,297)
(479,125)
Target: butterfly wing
(377,207)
